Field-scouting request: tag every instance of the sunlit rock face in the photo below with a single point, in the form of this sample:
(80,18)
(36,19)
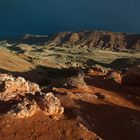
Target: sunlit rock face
(98,39)
(50,104)
(23,109)
(11,87)
(27,99)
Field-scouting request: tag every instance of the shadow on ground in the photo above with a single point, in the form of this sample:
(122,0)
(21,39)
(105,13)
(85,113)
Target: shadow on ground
(45,75)
(119,64)
(111,122)
(131,93)
(48,76)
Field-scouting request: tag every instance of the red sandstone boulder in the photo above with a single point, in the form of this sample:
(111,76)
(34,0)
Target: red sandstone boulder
(29,98)
(132,77)
(51,105)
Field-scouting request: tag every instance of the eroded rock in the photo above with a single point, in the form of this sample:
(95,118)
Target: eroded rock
(33,87)
(27,98)
(99,68)
(50,104)
(132,77)
(76,81)
(115,75)
(4,77)
(10,87)
(23,109)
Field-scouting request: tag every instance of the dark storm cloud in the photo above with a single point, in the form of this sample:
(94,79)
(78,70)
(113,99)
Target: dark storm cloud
(50,16)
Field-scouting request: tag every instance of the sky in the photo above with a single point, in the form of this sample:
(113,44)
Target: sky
(47,17)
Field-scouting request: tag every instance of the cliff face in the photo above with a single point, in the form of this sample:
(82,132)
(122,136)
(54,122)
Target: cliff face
(98,39)
(90,39)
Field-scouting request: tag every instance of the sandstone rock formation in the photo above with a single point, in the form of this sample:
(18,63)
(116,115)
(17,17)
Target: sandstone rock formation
(27,98)
(76,80)
(50,104)
(23,109)
(11,87)
(73,38)
(99,68)
(98,39)
(116,76)
(132,77)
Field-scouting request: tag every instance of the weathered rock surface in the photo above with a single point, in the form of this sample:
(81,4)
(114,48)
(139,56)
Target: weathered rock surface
(76,81)
(98,39)
(23,109)
(99,68)
(11,87)
(132,77)
(27,98)
(50,104)
(74,38)
(116,76)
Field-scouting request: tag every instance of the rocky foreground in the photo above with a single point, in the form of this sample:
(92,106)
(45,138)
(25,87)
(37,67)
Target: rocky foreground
(26,98)
(91,104)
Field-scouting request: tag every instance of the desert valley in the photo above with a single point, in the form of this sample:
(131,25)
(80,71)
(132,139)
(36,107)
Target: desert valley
(70,86)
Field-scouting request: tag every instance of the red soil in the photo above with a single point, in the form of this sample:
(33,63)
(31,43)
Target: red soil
(104,110)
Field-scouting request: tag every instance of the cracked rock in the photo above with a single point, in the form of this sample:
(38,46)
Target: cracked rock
(10,87)
(51,105)
(23,109)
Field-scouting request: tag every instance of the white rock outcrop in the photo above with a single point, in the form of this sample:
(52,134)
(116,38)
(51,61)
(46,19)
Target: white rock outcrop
(23,109)
(11,87)
(27,98)
(51,105)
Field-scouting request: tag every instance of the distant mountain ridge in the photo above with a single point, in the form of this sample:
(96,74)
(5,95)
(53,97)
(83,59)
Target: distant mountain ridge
(89,39)
(98,39)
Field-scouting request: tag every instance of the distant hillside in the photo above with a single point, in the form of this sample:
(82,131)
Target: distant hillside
(98,39)
(95,39)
